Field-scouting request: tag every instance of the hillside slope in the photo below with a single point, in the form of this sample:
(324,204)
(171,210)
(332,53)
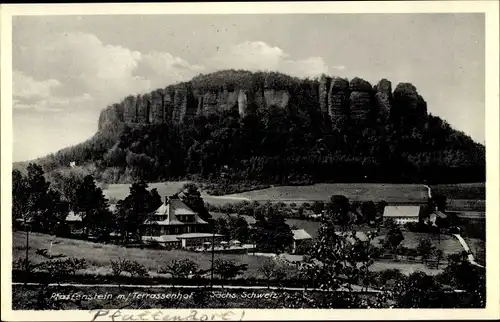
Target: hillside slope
(270,127)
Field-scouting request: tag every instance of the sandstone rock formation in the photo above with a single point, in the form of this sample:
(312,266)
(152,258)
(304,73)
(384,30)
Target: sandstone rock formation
(360,98)
(324,91)
(334,97)
(338,98)
(383,95)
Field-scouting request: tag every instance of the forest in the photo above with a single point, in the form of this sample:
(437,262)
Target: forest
(301,142)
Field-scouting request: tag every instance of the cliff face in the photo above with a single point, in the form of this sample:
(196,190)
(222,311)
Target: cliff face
(332,97)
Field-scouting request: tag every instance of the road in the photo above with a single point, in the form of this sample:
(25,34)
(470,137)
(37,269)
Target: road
(429,193)
(470,256)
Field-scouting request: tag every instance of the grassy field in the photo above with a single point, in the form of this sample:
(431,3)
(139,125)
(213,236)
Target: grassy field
(472,191)
(448,244)
(119,191)
(98,255)
(392,193)
(466,205)
(354,191)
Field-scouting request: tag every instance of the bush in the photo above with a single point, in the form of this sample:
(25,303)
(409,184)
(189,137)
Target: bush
(63,266)
(20,265)
(134,268)
(180,268)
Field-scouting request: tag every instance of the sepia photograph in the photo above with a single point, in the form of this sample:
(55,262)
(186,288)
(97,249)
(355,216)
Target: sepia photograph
(321,160)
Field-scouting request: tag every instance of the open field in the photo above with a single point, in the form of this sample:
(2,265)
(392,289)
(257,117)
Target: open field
(392,193)
(119,191)
(472,191)
(466,205)
(447,243)
(98,255)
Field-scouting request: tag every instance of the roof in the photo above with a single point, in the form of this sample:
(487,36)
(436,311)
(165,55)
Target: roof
(162,210)
(197,235)
(440,214)
(73,217)
(300,234)
(162,239)
(402,211)
(180,208)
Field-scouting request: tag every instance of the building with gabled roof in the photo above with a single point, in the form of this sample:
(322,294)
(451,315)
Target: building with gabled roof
(299,236)
(174,217)
(403,214)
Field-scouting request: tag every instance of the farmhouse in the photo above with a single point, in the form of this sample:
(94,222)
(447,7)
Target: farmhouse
(299,236)
(403,214)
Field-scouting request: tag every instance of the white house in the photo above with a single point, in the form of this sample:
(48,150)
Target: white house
(403,214)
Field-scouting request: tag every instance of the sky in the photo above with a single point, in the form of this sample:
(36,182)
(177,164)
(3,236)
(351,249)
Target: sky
(66,69)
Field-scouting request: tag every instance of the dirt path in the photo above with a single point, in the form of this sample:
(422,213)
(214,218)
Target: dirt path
(470,256)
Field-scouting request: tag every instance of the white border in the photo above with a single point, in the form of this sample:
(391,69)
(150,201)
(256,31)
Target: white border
(491,10)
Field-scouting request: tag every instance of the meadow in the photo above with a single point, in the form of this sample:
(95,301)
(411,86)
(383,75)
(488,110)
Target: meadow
(470,191)
(392,193)
(98,256)
(118,191)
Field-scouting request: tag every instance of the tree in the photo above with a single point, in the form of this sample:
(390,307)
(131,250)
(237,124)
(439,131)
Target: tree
(20,206)
(34,204)
(179,269)
(56,210)
(271,233)
(191,196)
(339,208)
(394,236)
(369,211)
(438,201)
(380,206)
(337,261)
(318,206)
(136,208)
(272,270)
(90,202)
(421,291)
(425,248)
(228,269)
(438,254)
(461,274)
(238,228)
(221,227)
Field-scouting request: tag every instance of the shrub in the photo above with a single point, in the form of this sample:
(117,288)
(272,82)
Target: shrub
(63,266)
(134,268)
(180,268)
(20,265)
